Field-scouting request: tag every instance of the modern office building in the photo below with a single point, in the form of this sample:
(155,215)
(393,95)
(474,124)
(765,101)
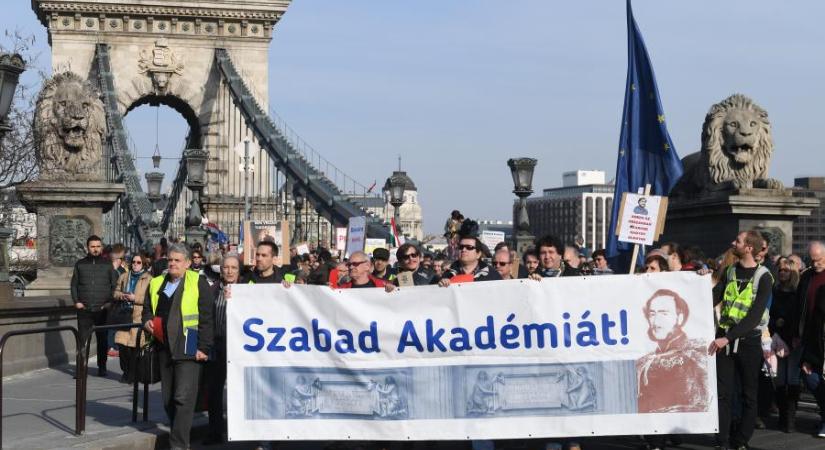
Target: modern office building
(577,212)
(809,228)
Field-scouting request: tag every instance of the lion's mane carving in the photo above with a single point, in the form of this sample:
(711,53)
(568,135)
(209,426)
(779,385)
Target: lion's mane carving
(69,126)
(736,150)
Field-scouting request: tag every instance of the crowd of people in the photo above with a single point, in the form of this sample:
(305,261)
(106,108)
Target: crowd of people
(770,311)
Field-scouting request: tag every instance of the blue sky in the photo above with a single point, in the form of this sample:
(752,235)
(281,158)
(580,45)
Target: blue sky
(458,87)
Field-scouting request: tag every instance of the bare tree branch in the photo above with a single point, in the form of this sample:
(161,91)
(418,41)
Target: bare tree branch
(18,163)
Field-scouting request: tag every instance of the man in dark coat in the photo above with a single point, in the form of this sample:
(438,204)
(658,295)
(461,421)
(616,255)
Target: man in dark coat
(93,285)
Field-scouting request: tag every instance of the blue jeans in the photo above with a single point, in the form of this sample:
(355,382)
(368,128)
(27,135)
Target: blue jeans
(813,380)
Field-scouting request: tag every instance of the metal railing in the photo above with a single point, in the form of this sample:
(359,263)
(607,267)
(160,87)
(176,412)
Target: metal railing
(80,382)
(138,206)
(82,370)
(299,163)
(174,195)
(86,347)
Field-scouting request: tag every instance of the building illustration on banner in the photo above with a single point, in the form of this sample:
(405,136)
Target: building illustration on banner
(538,390)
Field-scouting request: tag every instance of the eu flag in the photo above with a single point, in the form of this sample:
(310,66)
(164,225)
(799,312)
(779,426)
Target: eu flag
(646,153)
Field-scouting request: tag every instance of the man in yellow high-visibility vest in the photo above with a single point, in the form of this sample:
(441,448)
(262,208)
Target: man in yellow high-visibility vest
(744,292)
(182,299)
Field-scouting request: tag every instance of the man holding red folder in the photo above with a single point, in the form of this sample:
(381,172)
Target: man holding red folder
(181,322)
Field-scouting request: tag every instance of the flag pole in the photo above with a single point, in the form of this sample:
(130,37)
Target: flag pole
(636,246)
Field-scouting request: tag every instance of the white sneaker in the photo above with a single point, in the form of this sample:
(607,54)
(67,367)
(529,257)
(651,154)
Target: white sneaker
(821,430)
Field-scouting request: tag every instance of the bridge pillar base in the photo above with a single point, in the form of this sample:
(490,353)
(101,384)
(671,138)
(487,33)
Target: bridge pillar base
(68,212)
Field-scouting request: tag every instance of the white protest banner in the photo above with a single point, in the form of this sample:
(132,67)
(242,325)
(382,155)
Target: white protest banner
(492,238)
(497,360)
(373,243)
(340,238)
(641,218)
(356,234)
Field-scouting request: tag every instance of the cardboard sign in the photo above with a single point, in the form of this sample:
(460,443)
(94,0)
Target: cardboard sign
(405,279)
(256,231)
(641,218)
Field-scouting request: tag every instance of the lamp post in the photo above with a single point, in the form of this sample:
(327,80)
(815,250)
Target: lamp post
(298,196)
(11,66)
(195,181)
(522,171)
(154,181)
(397,183)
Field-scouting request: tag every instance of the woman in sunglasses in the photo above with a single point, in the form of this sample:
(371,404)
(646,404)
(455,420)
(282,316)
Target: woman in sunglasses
(129,293)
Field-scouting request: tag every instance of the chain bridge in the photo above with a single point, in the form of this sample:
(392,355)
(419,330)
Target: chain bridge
(209,61)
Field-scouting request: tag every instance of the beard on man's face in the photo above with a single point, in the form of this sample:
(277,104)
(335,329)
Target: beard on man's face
(660,334)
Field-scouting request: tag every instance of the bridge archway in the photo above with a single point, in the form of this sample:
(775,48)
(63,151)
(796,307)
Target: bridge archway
(209,61)
(194,135)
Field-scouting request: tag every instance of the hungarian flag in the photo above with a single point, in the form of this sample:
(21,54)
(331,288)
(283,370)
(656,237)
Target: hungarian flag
(396,240)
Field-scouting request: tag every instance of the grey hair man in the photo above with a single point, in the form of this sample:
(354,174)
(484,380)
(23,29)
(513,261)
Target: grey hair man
(180,317)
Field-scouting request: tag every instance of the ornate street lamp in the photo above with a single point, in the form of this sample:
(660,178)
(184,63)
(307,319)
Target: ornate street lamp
(196,168)
(154,180)
(298,196)
(11,66)
(522,171)
(195,181)
(397,183)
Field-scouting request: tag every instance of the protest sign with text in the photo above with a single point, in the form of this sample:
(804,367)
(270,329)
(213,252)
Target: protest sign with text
(495,360)
(492,238)
(641,218)
(356,234)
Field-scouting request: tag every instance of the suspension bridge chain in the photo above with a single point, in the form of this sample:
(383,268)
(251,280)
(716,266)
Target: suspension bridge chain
(297,164)
(138,206)
(174,195)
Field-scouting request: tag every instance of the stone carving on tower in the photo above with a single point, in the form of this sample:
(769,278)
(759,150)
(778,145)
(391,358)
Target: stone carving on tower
(160,62)
(736,150)
(69,126)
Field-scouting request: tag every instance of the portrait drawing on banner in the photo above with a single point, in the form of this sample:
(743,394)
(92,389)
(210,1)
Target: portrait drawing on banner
(673,377)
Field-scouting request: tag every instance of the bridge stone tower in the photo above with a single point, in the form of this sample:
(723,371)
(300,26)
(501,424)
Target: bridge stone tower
(163,52)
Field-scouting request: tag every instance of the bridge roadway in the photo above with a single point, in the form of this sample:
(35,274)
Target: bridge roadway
(39,413)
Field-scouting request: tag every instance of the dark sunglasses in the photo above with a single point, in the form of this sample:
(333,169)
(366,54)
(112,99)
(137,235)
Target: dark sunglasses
(410,256)
(500,263)
(137,262)
(355,263)
(467,247)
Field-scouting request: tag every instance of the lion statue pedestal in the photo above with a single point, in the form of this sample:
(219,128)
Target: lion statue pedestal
(71,193)
(726,189)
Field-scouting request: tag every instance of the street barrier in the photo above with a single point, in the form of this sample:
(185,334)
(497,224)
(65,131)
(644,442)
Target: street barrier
(86,346)
(80,383)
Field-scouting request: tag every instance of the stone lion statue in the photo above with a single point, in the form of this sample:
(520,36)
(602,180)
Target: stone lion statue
(69,125)
(736,150)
